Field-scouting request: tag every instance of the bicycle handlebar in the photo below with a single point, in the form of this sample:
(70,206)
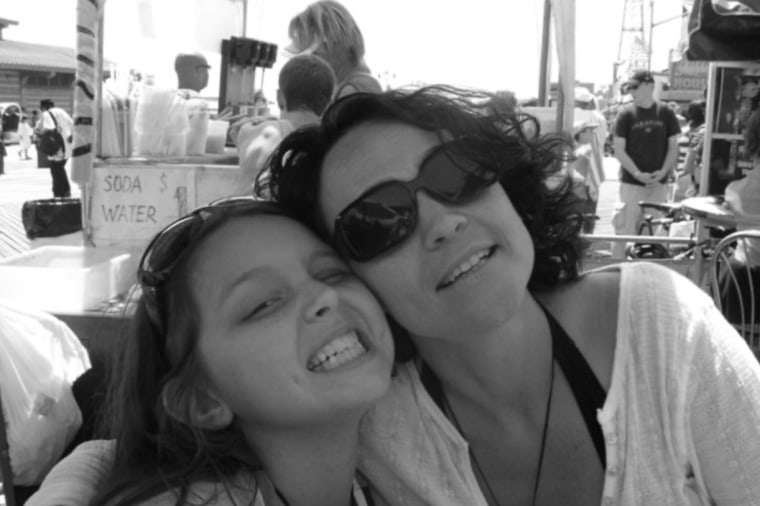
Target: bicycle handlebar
(666,207)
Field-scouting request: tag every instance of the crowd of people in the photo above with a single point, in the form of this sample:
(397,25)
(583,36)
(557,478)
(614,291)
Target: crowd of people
(397,313)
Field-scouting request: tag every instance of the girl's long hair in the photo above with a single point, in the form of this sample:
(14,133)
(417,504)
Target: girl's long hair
(156,452)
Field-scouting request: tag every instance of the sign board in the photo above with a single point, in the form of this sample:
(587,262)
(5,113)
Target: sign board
(688,75)
(130,204)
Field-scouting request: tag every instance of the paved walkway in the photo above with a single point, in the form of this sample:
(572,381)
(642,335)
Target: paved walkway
(21,182)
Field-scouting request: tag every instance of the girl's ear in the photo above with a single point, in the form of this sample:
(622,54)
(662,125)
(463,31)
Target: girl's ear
(196,406)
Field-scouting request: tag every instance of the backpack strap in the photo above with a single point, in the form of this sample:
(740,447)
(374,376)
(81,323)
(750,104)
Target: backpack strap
(55,122)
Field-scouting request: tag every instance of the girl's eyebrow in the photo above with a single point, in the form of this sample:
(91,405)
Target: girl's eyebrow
(240,279)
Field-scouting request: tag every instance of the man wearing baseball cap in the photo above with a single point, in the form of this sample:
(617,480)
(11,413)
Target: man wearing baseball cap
(646,145)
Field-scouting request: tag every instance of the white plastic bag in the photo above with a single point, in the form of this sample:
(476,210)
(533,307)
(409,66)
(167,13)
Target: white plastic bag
(40,357)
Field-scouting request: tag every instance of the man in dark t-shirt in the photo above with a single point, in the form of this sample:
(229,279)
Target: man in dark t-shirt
(646,145)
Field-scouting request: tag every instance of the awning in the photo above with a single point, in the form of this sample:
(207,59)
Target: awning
(16,55)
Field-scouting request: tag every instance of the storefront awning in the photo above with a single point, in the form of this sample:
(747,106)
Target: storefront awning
(16,55)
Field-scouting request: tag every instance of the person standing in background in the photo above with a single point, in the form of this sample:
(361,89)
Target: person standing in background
(646,145)
(192,73)
(55,117)
(2,152)
(306,84)
(692,165)
(24,138)
(327,29)
(586,173)
(742,196)
(192,77)
(585,101)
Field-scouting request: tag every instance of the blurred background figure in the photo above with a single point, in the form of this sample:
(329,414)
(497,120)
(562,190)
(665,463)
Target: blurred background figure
(192,73)
(585,101)
(306,84)
(503,103)
(327,29)
(50,118)
(24,138)
(192,76)
(743,197)
(2,152)
(586,172)
(692,137)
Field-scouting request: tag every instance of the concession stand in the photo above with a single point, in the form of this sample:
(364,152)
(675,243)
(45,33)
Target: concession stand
(144,153)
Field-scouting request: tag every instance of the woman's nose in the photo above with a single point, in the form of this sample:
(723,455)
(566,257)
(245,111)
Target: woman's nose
(438,221)
(322,300)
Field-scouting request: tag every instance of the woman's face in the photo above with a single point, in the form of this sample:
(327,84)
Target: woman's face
(464,268)
(289,336)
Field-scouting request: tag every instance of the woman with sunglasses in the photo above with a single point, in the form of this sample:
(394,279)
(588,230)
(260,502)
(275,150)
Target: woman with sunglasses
(245,376)
(530,383)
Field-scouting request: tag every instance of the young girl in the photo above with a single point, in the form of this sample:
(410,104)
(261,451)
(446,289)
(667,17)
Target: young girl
(245,376)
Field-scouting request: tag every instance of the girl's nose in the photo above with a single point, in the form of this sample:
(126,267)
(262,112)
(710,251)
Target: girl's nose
(324,299)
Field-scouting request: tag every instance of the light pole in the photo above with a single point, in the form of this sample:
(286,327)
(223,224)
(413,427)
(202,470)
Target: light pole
(652,25)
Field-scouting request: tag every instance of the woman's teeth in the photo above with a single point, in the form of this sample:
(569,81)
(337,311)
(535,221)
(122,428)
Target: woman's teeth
(336,353)
(470,265)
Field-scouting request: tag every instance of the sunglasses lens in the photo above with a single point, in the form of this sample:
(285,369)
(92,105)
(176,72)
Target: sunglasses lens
(453,178)
(377,222)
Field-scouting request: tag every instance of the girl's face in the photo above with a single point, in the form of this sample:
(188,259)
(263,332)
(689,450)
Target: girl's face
(464,268)
(289,336)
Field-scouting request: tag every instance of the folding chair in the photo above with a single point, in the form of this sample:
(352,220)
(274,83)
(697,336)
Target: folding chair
(5,462)
(734,285)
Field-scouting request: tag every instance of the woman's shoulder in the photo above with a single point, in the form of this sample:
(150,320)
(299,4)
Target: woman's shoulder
(587,308)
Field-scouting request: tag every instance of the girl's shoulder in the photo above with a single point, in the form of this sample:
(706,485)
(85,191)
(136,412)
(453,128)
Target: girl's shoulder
(244,488)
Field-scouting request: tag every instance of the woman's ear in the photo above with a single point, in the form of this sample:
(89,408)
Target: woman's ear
(196,406)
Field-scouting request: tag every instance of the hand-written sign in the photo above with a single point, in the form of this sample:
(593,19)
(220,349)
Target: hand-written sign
(133,203)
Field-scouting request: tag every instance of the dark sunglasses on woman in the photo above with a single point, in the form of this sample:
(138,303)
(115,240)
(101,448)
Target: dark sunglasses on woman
(386,214)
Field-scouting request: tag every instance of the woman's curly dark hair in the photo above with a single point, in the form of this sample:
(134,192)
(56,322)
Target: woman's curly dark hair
(510,144)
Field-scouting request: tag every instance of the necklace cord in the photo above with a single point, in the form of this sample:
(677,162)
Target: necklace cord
(544,433)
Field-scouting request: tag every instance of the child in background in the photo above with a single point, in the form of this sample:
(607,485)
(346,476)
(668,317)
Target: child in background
(24,138)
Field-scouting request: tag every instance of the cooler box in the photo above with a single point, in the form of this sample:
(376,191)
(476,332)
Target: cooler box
(65,279)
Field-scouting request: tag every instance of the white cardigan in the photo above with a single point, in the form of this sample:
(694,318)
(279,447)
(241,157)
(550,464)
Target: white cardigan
(681,420)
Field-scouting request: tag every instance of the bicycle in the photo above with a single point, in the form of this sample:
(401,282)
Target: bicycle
(688,254)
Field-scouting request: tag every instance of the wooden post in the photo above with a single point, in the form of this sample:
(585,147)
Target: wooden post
(544,66)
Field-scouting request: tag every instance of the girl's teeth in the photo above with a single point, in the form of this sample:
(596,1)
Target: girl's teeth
(337,352)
